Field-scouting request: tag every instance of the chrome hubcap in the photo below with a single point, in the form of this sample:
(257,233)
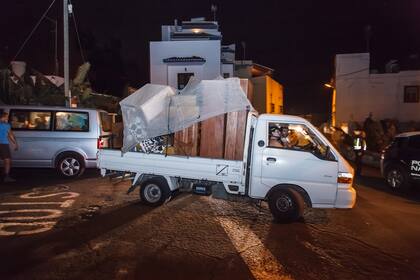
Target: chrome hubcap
(70,166)
(284,203)
(152,193)
(395,178)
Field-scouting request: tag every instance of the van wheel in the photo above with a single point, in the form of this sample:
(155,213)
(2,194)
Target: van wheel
(154,192)
(70,165)
(397,178)
(286,205)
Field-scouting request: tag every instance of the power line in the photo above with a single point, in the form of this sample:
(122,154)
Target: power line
(77,35)
(33,30)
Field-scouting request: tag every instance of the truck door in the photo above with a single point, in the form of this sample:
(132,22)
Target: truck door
(293,154)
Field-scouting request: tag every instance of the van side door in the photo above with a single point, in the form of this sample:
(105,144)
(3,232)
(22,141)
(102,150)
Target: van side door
(293,154)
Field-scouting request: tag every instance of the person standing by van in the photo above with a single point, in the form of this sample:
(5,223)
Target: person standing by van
(6,135)
(359,148)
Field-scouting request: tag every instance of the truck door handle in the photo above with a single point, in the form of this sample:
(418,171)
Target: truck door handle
(271,159)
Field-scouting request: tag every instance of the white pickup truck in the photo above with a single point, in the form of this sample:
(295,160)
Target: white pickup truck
(299,168)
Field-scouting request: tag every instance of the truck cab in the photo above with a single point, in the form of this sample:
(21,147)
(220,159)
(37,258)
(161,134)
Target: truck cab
(290,153)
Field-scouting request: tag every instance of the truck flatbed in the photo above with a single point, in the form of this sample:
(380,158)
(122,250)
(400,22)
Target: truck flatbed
(194,168)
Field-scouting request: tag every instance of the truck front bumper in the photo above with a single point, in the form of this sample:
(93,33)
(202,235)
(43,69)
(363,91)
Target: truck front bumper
(346,197)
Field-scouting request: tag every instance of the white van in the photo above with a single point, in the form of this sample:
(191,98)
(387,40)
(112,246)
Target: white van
(66,139)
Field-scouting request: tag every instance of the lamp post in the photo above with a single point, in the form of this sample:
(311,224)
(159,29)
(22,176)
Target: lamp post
(53,21)
(333,103)
(66,9)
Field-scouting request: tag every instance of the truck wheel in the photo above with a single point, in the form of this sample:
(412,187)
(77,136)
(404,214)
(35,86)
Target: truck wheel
(286,205)
(397,178)
(154,192)
(70,165)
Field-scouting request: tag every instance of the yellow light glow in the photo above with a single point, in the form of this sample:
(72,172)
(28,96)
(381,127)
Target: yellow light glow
(196,30)
(328,85)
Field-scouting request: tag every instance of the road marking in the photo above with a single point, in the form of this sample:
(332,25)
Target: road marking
(53,214)
(41,227)
(260,261)
(64,204)
(35,195)
(19,219)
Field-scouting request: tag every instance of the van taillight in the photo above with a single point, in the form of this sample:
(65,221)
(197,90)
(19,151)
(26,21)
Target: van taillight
(100,143)
(344,178)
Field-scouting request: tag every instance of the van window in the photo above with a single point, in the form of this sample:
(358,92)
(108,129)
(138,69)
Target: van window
(414,142)
(296,137)
(30,120)
(71,121)
(106,121)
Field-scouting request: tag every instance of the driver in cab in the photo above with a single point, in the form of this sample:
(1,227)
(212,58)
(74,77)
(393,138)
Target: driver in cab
(282,138)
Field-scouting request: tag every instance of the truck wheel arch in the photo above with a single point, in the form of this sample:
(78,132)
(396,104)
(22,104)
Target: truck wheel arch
(143,177)
(300,190)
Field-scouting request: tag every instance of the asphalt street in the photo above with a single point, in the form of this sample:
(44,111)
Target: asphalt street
(90,228)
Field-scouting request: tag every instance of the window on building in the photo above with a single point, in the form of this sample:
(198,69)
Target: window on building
(272,109)
(30,120)
(71,121)
(183,79)
(226,75)
(281,109)
(411,94)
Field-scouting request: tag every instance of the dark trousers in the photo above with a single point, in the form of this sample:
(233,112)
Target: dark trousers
(359,155)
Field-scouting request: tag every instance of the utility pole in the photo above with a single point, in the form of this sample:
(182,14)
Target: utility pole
(244,49)
(67,93)
(56,67)
(368,35)
(214,10)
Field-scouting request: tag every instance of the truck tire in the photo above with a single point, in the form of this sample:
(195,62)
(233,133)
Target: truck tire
(286,205)
(397,178)
(154,191)
(70,165)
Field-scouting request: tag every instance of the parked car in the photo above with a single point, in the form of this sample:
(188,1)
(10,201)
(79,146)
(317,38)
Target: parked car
(400,161)
(66,139)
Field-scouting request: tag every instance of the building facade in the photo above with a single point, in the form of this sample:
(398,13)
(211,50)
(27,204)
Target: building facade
(267,92)
(358,92)
(192,48)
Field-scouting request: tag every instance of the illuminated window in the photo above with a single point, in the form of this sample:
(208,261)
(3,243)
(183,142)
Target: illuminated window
(30,120)
(411,94)
(71,121)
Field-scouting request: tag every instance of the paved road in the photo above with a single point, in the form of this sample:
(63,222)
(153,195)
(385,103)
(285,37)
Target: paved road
(90,229)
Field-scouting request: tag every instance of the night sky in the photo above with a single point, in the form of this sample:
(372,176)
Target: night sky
(296,38)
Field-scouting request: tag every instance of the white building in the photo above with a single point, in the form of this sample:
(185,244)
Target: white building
(359,92)
(190,49)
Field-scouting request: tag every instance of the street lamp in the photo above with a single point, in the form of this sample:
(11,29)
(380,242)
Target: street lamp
(53,21)
(333,103)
